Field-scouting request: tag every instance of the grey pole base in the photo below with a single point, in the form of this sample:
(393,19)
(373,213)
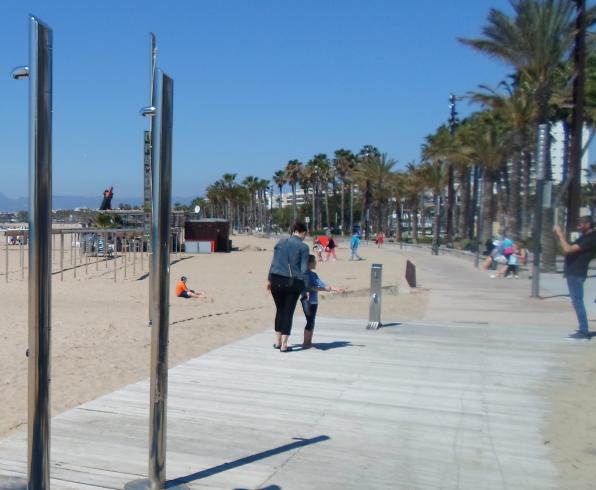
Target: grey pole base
(374,325)
(145,484)
(12,483)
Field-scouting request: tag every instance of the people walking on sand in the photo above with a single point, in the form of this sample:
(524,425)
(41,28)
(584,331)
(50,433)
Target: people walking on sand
(287,276)
(310,299)
(183,291)
(354,245)
(380,239)
(331,246)
(577,259)
(318,250)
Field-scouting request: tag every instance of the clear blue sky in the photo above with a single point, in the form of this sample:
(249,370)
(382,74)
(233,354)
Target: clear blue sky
(257,83)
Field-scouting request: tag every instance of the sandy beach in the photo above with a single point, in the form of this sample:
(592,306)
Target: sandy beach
(100,338)
(101,342)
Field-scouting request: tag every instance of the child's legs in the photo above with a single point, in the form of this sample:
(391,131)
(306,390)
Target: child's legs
(310,318)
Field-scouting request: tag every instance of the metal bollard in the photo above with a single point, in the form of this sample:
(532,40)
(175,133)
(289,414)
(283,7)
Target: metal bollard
(376,283)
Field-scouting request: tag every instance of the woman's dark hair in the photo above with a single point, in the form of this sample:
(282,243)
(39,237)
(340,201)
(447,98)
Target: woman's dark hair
(299,227)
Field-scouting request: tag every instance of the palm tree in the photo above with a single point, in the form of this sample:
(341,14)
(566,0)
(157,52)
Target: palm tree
(516,108)
(320,171)
(279,177)
(535,41)
(262,187)
(412,190)
(250,183)
(292,175)
(344,162)
(366,155)
(491,147)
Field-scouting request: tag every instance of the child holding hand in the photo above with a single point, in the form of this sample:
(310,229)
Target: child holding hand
(310,299)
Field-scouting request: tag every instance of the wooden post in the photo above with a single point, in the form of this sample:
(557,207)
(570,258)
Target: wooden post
(6,250)
(61,255)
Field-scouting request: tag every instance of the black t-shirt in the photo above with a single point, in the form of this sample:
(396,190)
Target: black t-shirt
(576,263)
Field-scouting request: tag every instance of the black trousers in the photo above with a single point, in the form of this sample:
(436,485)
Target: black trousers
(310,312)
(285,292)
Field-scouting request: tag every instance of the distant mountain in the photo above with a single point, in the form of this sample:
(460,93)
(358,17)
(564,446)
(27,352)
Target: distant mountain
(9,204)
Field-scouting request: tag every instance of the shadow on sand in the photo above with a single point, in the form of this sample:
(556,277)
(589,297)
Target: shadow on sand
(247,460)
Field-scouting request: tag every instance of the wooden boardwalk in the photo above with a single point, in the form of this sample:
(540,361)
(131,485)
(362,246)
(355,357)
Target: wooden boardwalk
(414,406)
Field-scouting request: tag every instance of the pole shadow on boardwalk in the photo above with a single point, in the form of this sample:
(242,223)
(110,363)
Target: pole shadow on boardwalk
(246,460)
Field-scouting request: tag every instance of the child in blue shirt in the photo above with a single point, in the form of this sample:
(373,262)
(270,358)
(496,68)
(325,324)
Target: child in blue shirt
(310,299)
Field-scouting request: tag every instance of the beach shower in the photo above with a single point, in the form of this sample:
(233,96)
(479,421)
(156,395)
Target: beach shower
(39,74)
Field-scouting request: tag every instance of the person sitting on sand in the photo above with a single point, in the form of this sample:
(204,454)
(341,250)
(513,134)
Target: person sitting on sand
(310,300)
(182,290)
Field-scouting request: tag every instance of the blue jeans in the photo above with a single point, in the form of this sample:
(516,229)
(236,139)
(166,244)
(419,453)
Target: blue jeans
(575,284)
(355,254)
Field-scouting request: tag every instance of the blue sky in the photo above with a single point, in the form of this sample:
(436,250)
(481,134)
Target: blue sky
(257,83)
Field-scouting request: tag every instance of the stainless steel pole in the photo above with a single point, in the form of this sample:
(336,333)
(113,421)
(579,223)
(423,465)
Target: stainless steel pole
(161,164)
(40,252)
(39,73)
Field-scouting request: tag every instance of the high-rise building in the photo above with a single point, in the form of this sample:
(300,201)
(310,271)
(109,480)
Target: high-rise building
(557,152)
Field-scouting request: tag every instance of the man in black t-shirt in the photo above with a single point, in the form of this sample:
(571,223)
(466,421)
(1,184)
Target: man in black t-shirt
(577,259)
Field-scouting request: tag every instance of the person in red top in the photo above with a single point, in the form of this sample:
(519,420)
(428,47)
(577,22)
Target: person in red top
(182,290)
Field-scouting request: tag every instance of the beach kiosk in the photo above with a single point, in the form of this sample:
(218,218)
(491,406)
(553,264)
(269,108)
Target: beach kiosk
(207,235)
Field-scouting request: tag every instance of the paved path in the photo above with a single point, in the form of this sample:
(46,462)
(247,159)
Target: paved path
(456,401)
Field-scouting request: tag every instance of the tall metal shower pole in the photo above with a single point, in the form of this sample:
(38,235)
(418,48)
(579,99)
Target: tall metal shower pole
(161,161)
(39,73)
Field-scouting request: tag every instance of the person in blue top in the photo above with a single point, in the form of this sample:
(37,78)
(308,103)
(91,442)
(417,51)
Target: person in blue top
(577,260)
(354,244)
(310,300)
(287,276)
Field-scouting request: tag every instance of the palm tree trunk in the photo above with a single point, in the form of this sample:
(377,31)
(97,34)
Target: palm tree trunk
(314,206)
(450,208)
(464,209)
(399,213)
(343,193)
(326,197)
(436,224)
(488,183)
(502,199)
(351,207)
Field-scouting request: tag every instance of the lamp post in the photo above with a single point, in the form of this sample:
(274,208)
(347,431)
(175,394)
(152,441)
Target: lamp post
(540,175)
(450,174)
